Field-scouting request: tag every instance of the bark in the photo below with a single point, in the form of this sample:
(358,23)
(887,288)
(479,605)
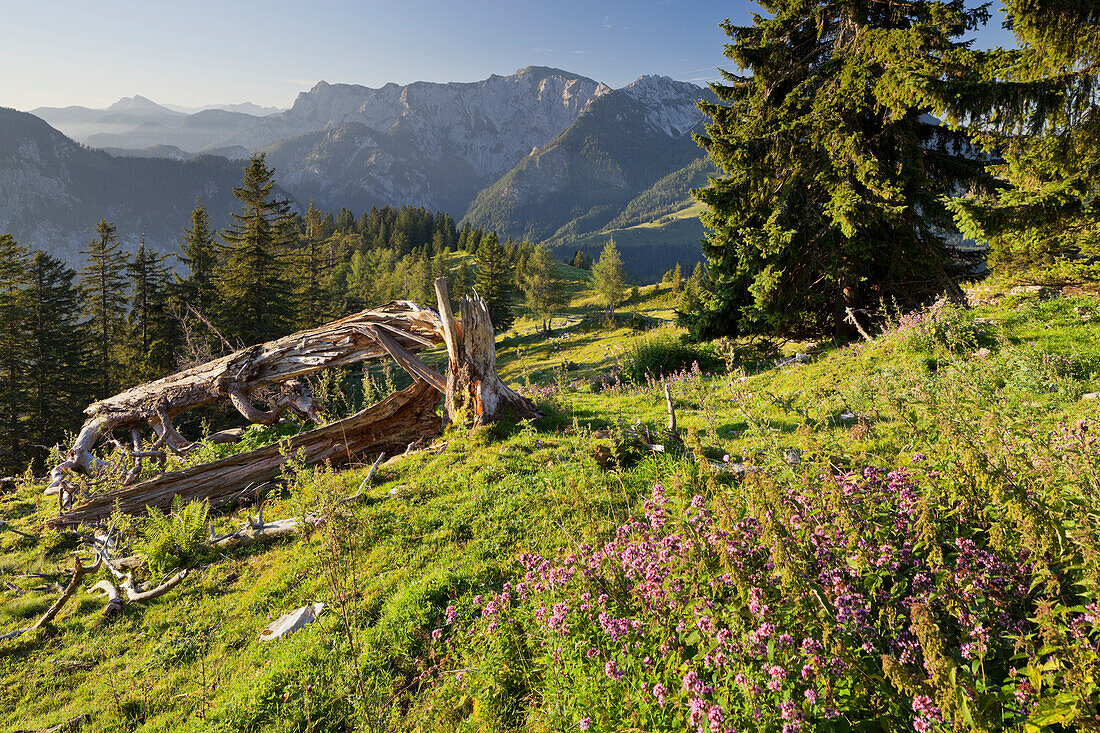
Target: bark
(474,393)
(388,426)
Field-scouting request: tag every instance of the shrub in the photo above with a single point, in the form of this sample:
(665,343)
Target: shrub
(944,327)
(661,354)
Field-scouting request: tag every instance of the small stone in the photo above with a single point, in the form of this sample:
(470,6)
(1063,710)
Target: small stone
(982,352)
(847,416)
(1091,396)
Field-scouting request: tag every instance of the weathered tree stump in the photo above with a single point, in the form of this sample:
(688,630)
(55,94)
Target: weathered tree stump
(475,394)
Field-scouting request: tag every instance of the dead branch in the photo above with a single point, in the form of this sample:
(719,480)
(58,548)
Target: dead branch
(114,600)
(359,495)
(671,411)
(5,526)
(239,374)
(851,318)
(79,571)
(71,724)
(135,593)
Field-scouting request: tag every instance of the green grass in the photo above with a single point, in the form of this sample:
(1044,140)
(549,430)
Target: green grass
(441,528)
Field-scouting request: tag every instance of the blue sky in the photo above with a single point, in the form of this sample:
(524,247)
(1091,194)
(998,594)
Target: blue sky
(195,52)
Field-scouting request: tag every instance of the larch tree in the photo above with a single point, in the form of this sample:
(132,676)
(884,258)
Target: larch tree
(255,294)
(542,286)
(608,277)
(103,284)
(834,185)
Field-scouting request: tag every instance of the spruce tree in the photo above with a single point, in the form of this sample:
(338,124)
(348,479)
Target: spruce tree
(608,278)
(543,287)
(1034,110)
(494,281)
(13,317)
(152,335)
(200,253)
(103,284)
(314,297)
(833,198)
(57,342)
(254,291)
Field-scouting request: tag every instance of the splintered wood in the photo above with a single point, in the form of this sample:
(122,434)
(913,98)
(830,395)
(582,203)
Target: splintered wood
(405,325)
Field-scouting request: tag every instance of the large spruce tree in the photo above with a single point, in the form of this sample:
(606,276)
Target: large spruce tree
(57,341)
(832,194)
(255,292)
(103,282)
(1035,110)
(13,317)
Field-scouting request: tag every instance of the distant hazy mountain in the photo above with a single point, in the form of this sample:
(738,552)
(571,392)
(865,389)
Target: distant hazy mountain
(126,114)
(247,108)
(541,153)
(588,176)
(53,191)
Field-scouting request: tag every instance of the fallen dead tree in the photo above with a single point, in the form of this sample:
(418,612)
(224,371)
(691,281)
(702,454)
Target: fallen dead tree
(388,426)
(235,377)
(474,394)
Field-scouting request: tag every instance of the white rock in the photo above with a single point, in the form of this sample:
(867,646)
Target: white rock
(288,623)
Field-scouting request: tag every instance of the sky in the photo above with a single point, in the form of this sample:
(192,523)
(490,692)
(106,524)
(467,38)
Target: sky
(198,52)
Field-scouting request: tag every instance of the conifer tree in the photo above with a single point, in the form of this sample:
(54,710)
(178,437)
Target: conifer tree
(13,315)
(1034,109)
(677,279)
(608,278)
(57,377)
(152,336)
(833,197)
(312,283)
(103,284)
(494,281)
(543,287)
(200,253)
(255,294)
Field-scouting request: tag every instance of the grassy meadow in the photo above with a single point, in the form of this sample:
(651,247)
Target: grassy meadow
(912,546)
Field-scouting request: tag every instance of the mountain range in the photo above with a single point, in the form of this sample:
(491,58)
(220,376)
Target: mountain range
(541,153)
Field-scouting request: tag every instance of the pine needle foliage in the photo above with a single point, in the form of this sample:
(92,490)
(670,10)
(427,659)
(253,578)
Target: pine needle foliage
(833,185)
(1034,111)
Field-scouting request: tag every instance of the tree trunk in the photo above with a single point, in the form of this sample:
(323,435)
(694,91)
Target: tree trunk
(389,426)
(475,394)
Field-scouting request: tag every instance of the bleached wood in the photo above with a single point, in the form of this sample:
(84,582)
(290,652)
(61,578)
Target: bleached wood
(388,426)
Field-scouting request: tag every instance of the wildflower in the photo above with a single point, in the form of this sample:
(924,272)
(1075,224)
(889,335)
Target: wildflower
(450,614)
(436,634)
(611,669)
(585,722)
(659,693)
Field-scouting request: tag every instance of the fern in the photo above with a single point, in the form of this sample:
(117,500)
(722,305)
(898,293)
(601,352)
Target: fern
(175,539)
